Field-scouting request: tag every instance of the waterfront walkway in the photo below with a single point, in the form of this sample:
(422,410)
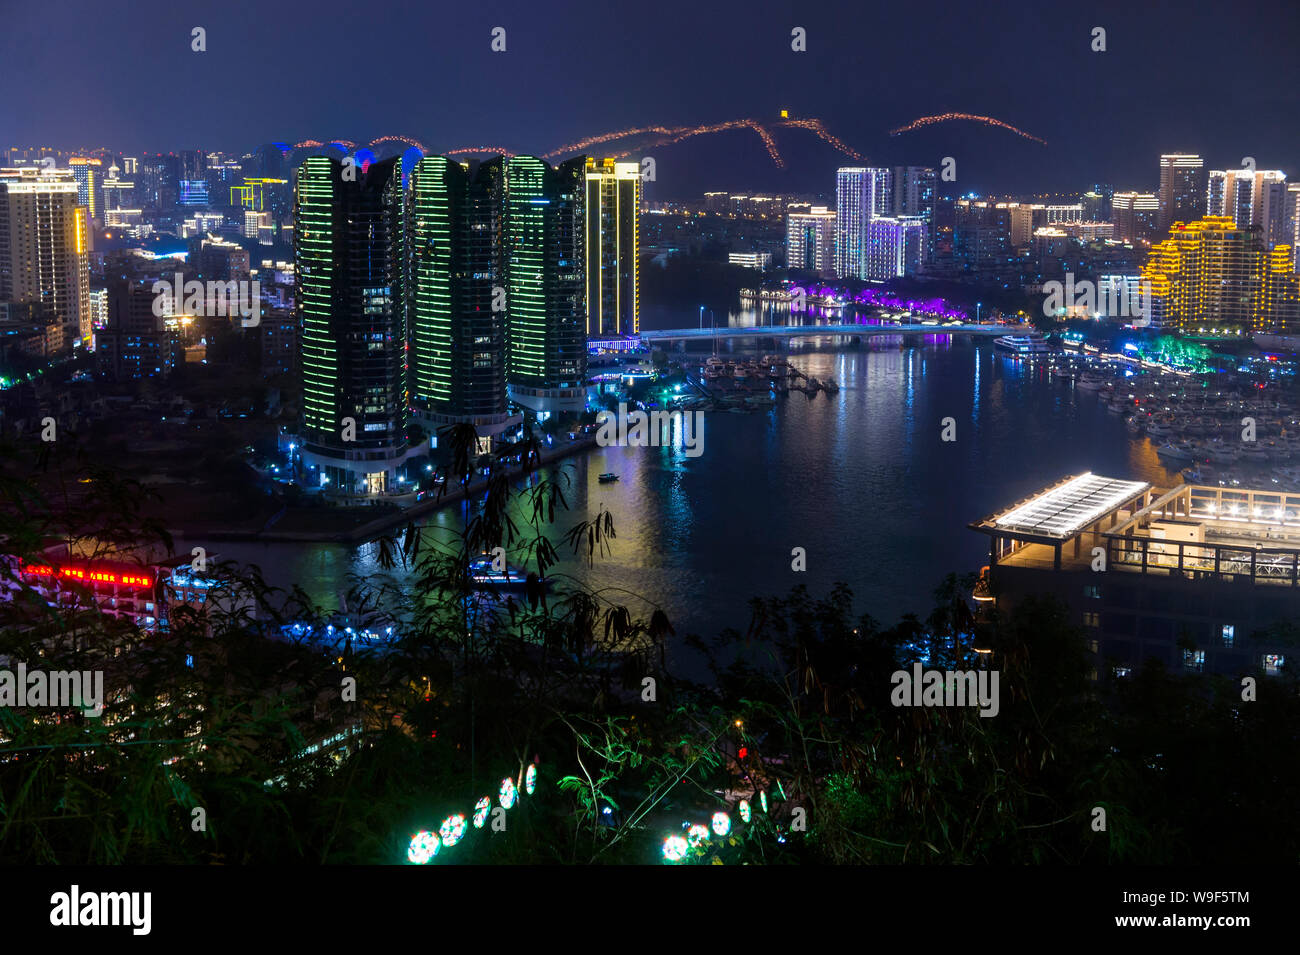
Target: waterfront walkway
(391,520)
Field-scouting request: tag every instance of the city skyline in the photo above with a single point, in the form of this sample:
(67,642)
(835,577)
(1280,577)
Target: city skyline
(556,435)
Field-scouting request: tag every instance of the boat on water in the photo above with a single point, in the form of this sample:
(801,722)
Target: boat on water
(1022,346)
(1159,429)
(1224,455)
(482,572)
(609,477)
(1091,381)
(1177,452)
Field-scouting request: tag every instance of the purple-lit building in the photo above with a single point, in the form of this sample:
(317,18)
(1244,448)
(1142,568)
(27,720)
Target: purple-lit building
(895,246)
(861,194)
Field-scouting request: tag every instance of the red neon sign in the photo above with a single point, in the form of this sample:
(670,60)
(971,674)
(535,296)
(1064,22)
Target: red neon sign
(91,575)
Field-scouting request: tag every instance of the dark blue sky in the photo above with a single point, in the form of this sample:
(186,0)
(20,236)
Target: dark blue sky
(1213,77)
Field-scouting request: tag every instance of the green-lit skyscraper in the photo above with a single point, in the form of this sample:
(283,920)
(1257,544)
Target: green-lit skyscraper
(349,255)
(456,293)
(546,343)
(494,289)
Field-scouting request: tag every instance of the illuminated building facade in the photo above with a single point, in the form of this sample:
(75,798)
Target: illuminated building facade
(118,192)
(145,592)
(1293,221)
(1253,198)
(912,191)
(1182,190)
(810,241)
(456,293)
(192,193)
(1212,274)
(761,261)
(1135,216)
(349,265)
(89,177)
(262,195)
(612,248)
(895,246)
(44,236)
(981,235)
(134,342)
(861,194)
(1022,223)
(546,279)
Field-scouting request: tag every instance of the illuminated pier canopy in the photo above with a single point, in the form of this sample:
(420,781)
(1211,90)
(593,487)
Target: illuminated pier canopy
(1062,510)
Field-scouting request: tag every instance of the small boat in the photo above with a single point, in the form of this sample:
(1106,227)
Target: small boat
(609,477)
(482,573)
(1220,454)
(1176,452)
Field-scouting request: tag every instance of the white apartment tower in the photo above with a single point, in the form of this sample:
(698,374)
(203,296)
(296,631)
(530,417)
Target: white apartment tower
(43,243)
(810,241)
(861,194)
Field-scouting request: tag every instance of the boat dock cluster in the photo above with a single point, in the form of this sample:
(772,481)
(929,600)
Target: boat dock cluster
(742,384)
(1198,423)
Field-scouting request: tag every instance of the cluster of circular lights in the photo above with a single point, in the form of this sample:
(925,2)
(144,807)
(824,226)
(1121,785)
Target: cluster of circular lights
(676,847)
(425,845)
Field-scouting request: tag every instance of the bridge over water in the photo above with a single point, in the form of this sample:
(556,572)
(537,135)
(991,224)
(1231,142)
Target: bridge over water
(820,331)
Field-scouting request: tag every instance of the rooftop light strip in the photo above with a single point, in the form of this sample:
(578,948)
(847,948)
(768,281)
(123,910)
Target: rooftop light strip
(1061,511)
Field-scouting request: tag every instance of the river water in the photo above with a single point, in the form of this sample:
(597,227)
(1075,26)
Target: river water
(861,480)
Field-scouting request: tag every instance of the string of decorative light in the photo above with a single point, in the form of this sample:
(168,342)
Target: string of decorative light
(425,845)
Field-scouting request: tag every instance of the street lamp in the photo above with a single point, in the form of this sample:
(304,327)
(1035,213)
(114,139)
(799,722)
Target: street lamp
(977,312)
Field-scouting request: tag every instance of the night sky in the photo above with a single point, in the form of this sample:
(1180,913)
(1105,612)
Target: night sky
(1208,77)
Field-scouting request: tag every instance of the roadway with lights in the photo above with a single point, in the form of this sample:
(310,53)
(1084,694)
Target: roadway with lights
(821,331)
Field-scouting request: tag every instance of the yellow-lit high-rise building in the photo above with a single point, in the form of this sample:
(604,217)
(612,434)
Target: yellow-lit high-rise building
(1210,274)
(613,211)
(88,174)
